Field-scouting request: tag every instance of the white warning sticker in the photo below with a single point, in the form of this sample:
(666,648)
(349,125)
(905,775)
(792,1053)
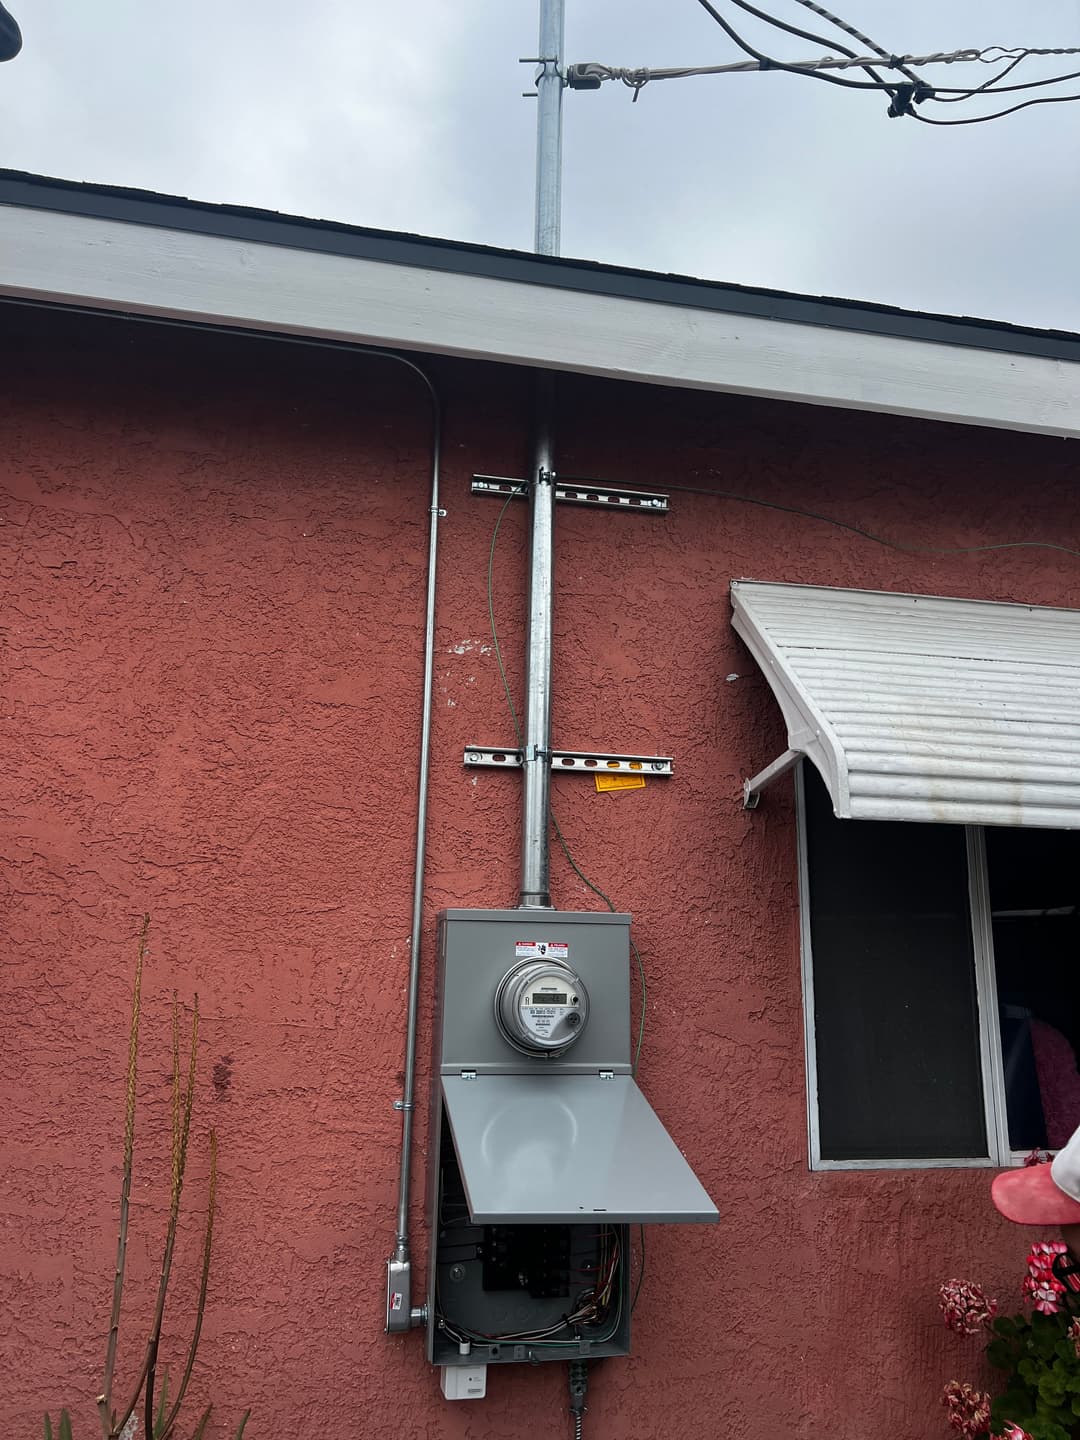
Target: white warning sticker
(541,950)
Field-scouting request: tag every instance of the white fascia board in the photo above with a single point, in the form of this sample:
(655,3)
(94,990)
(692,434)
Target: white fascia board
(121,266)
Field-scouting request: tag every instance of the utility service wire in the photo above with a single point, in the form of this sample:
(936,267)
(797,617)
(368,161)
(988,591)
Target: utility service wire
(767,62)
(904,98)
(809,35)
(1000,114)
(846,524)
(856,35)
(637,78)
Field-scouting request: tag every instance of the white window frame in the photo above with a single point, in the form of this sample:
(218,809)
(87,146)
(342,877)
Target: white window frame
(999,1152)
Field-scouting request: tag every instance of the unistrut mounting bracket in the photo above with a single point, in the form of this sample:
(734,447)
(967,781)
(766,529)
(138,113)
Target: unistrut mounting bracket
(593,762)
(592,493)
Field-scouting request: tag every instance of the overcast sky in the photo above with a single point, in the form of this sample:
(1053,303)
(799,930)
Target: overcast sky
(407,115)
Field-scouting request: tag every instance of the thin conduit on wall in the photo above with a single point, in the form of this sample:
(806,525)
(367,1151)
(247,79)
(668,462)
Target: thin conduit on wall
(401,1253)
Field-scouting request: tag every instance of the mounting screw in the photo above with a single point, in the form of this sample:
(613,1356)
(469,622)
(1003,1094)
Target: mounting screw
(472,758)
(657,764)
(457,1272)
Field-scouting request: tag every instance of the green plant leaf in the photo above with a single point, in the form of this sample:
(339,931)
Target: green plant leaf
(65,1425)
(1051,1391)
(240,1428)
(200,1428)
(48,1429)
(159,1418)
(1001,1354)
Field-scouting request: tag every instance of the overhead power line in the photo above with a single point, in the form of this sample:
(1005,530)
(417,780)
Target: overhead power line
(905,88)
(581,77)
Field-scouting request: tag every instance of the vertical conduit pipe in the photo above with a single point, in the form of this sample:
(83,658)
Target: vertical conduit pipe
(400,1312)
(536,802)
(536,798)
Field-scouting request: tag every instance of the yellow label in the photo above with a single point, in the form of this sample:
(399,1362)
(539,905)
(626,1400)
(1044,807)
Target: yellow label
(620,782)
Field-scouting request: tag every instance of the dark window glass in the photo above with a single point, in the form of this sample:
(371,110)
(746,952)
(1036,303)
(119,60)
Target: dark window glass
(1034,880)
(895,1013)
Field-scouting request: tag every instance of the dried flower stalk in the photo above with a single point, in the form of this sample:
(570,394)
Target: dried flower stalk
(104,1400)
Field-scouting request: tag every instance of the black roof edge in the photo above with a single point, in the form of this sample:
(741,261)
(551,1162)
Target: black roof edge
(268,227)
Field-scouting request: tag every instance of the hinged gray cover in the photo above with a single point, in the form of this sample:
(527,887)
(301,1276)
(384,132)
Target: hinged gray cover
(561,1149)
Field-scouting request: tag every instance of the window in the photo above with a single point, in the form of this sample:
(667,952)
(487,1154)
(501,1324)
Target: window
(941,969)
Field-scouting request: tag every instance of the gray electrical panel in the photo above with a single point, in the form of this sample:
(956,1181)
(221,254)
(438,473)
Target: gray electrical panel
(543,1148)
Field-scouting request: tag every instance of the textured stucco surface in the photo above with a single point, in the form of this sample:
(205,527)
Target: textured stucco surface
(211,579)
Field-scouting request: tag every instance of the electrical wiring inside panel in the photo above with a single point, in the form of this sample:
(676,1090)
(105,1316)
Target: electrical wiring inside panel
(526,1292)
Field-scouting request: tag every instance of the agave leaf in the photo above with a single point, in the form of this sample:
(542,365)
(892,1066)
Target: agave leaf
(65,1425)
(48,1429)
(159,1419)
(240,1428)
(204,1419)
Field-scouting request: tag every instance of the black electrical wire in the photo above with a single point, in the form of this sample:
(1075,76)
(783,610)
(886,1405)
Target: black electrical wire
(999,114)
(641,1269)
(768,63)
(949,96)
(904,99)
(953,94)
(857,35)
(809,35)
(846,524)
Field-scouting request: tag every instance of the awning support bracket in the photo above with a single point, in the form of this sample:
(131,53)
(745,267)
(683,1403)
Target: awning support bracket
(753,787)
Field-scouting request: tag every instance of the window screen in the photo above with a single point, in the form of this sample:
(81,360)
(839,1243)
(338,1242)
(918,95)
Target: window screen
(895,1014)
(1034,880)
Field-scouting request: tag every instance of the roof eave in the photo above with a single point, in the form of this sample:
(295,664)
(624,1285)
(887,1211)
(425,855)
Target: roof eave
(182,273)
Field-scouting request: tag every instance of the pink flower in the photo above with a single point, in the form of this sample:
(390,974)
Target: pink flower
(1044,1251)
(969,1409)
(966,1307)
(1044,1293)
(1038,1157)
(1041,1286)
(1013,1432)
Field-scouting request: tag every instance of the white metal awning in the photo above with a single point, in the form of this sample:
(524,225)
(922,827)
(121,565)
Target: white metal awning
(916,707)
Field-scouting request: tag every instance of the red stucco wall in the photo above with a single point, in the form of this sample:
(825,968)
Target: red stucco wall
(211,575)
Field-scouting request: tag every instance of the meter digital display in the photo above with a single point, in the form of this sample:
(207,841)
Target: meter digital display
(538,1020)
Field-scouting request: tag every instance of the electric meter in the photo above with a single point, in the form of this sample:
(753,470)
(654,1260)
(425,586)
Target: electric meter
(541,1007)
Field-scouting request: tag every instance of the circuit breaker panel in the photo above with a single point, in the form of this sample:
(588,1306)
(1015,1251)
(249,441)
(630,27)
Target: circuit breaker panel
(543,1148)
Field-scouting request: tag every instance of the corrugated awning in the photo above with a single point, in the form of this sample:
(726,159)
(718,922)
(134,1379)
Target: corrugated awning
(917,707)
(560,1149)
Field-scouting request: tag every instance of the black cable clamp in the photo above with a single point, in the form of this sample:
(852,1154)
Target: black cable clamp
(907,96)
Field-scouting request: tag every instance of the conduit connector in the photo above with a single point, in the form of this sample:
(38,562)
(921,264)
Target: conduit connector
(401,1313)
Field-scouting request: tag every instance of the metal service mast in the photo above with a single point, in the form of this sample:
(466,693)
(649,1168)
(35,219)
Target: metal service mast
(536,813)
